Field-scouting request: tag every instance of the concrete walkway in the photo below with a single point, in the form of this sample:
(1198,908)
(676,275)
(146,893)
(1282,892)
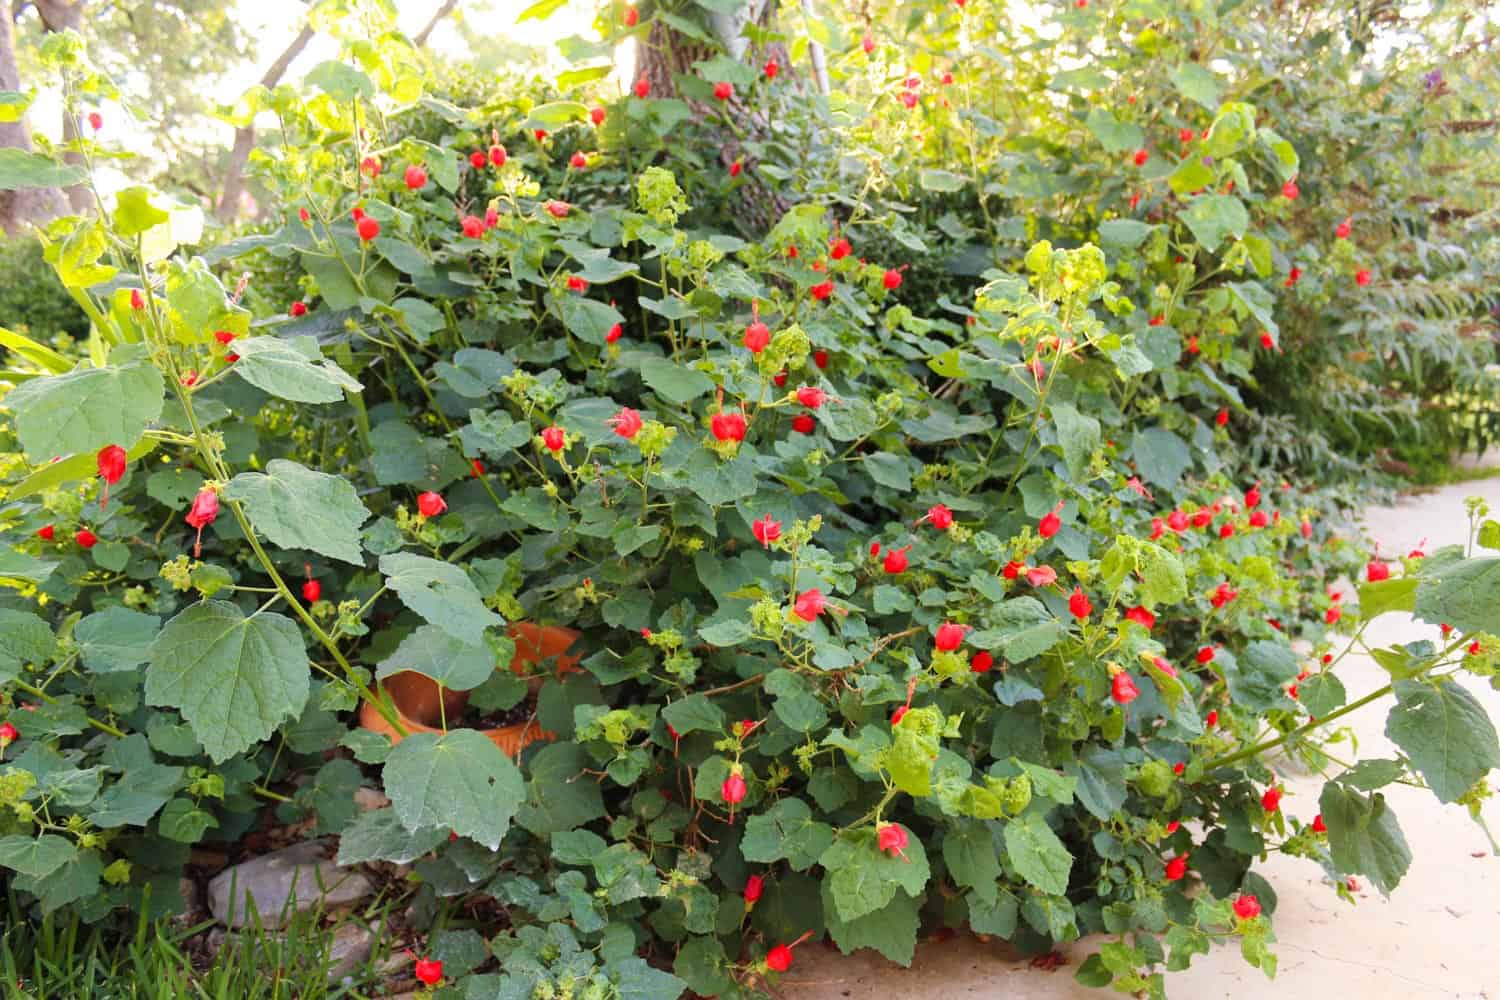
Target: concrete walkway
(1431,939)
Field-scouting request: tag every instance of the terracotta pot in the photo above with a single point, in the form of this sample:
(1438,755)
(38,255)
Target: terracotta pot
(421,704)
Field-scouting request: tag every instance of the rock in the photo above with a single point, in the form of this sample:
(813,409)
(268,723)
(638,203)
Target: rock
(274,885)
(369,799)
(351,946)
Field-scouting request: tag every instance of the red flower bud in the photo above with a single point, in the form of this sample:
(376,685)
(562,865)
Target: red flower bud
(895,562)
(555,439)
(1177,868)
(1050,523)
(733,789)
(1141,156)
(1221,418)
(803,423)
(368,228)
(950,636)
(1362,277)
(1343,229)
(312,590)
(1143,616)
(811,396)
(809,605)
(137,300)
(557,209)
(431,504)
(596,115)
(754,886)
(765,530)
(642,88)
(868,44)
(1122,689)
(982,662)
(891,279)
(1375,571)
(1247,907)
(892,838)
(416,178)
(728,426)
(1206,654)
(205,511)
(1012,569)
(1212,718)
(723,90)
(428,970)
(1289,191)
(46,532)
(940,517)
(578,161)
(1271,800)
(779,958)
(840,248)
(297,310)
(1079,605)
(1041,576)
(757,337)
(627,423)
(821,291)
(1318,825)
(85,538)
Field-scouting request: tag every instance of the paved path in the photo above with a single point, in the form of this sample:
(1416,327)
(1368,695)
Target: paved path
(1437,937)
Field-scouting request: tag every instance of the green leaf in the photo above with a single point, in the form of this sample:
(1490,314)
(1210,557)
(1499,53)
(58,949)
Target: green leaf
(115,639)
(1190,175)
(234,679)
(1161,456)
(702,964)
(1321,694)
(1446,733)
(559,794)
(1399,594)
(943,181)
(862,878)
(85,409)
(588,319)
(1197,83)
(134,799)
(1465,594)
(1036,853)
(340,81)
(1019,629)
(969,852)
(1363,836)
(1214,217)
(13,105)
(1116,136)
(675,383)
(134,213)
(81,466)
(184,822)
(1259,676)
(1078,436)
(555,114)
(39,354)
(786,831)
(541,10)
(378,835)
(448,660)
(297,508)
(22,169)
(1124,233)
(692,714)
(1163,580)
(458,781)
(892,930)
(24,638)
(276,366)
(36,857)
(441,593)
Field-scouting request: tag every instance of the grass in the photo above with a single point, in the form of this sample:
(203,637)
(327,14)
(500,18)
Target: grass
(60,957)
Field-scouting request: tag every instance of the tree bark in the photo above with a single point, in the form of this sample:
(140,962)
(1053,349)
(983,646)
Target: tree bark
(244,137)
(33,206)
(67,15)
(420,39)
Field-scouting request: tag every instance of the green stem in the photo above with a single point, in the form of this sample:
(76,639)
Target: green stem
(37,692)
(1273,743)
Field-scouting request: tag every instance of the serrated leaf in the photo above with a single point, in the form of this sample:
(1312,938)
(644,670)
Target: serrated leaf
(1465,594)
(234,679)
(1399,594)
(378,835)
(1446,733)
(675,383)
(1215,217)
(20,168)
(85,409)
(458,781)
(1078,436)
(969,852)
(692,714)
(1161,456)
(892,930)
(340,81)
(1036,853)
(445,658)
(560,793)
(862,878)
(786,830)
(1363,836)
(275,366)
(441,593)
(36,857)
(114,639)
(297,508)
(1116,136)
(1197,83)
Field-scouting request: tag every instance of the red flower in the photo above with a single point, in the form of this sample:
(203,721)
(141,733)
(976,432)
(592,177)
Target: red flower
(723,90)
(868,44)
(473,226)
(766,530)
(940,516)
(1041,576)
(947,79)
(1173,827)
(477,159)
(8,734)
(431,504)
(1205,654)
(729,426)
(1177,521)
(1162,664)
(1078,604)
(1177,868)
(1343,229)
(1222,417)
(840,248)
(779,958)
(809,605)
(899,714)
(1293,276)
(627,423)
(370,166)
(557,209)
(632,17)
(1259,519)
(950,636)
(204,511)
(1012,569)
(895,562)
(1247,907)
(614,334)
(368,228)
(1141,156)
(1222,595)
(891,279)
(1271,800)
(312,590)
(1362,277)
(1375,571)
(85,538)
(555,439)
(304,214)
(757,337)
(498,155)
(416,177)
(735,168)
(820,358)
(892,839)
(111,461)
(1318,825)
(46,532)
(1333,614)
(754,886)
(137,300)
(1202,518)
(733,790)
(429,971)
(803,423)
(1179,767)
(578,161)
(822,290)
(1158,527)
(1143,616)
(1306,529)
(596,115)
(96,120)
(1050,524)
(1226,530)
(811,396)
(771,68)
(1289,191)
(1122,689)
(981,663)
(1267,341)
(1212,718)
(1157,320)
(642,87)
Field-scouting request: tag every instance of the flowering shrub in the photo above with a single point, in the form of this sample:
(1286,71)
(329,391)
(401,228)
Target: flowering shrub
(887,614)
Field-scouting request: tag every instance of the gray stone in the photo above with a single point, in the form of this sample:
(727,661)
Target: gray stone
(350,948)
(293,879)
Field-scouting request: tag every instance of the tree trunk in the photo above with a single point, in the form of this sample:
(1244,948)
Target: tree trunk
(420,38)
(33,206)
(244,137)
(67,15)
